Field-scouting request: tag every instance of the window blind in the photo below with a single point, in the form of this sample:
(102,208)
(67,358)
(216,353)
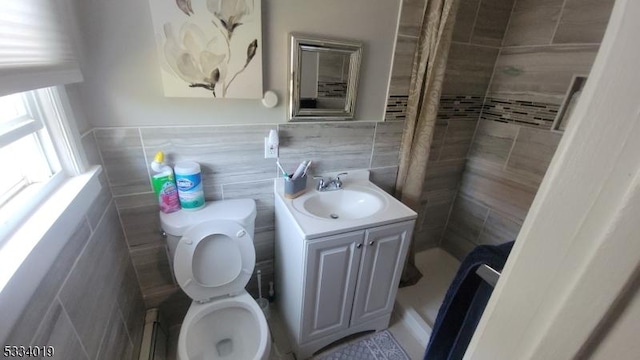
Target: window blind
(35,47)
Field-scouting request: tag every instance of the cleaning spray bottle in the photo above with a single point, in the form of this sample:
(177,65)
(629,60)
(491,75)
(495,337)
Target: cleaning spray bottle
(164,184)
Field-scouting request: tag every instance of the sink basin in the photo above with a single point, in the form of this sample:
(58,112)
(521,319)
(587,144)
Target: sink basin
(346,204)
(360,204)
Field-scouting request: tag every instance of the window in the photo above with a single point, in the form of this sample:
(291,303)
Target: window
(24,152)
(32,163)
(36,53)
(43,189)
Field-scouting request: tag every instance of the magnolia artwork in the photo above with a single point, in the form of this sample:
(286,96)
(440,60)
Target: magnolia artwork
(209,48)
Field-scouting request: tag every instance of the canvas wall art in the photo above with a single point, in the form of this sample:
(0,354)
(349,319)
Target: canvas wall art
(209,48)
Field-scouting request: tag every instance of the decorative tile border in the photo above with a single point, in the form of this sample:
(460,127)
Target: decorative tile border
(332,89)
(451,106)
(526,113)
(396,107)
(459,106)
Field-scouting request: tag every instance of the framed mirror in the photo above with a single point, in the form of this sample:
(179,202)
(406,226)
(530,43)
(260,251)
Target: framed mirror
(323,78)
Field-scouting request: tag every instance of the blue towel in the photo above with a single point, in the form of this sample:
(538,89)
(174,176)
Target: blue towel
(464,304)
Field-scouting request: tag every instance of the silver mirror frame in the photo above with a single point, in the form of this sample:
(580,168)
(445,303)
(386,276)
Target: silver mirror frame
(353,48)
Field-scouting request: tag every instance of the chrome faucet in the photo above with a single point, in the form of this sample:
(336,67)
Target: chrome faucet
(331,185)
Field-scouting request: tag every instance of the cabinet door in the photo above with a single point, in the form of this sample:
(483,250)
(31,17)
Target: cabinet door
(385,249)
(330,276)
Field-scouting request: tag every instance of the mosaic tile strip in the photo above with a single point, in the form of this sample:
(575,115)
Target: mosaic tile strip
(459,107)
(526,113)
(451,106)
(332,89)
(396,108)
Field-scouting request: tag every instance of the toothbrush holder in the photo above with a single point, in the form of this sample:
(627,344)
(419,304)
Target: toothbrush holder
(295,188)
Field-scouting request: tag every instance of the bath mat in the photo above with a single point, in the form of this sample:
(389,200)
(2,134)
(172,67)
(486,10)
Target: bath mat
(378,346)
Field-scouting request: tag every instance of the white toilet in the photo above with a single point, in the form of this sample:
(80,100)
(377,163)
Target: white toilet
(213,259)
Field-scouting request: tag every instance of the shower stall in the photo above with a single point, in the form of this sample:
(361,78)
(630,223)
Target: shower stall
(515,70)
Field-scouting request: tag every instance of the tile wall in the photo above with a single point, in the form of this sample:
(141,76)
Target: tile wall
(233,166)
(478,33)
(546,43)
(509,67)
(89,305)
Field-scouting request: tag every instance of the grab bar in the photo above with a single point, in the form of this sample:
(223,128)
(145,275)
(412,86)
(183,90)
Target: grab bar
(488,274)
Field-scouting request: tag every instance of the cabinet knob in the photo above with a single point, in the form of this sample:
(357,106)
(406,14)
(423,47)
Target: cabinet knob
(371,243)
(358,246)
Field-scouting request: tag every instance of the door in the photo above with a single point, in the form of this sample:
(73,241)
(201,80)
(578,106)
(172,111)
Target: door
(565,283)
(330,276)
(385,249)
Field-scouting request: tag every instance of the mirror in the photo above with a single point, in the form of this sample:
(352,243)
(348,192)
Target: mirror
(323,78)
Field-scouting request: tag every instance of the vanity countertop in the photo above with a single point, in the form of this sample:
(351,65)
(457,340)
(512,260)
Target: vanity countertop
(312,227)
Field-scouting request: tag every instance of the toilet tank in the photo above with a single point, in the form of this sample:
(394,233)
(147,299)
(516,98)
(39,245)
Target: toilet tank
(241,211)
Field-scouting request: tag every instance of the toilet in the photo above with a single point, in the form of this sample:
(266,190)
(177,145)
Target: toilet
(213,259)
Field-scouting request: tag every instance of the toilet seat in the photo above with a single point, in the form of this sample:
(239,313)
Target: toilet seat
(214,258)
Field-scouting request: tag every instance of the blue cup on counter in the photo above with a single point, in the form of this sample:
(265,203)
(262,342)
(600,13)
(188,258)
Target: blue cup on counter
(295,188)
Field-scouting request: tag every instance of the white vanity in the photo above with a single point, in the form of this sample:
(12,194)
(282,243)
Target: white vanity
(339,257)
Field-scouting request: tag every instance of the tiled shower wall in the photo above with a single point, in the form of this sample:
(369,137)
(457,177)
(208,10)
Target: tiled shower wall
(89,305)
(478,33)
(545,45)
(233,166)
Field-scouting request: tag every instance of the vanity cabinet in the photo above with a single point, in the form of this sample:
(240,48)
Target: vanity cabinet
(330,279)
(384,251)
(347,283)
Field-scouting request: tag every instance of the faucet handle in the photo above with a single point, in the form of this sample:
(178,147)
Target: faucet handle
(320,181)
(338,181)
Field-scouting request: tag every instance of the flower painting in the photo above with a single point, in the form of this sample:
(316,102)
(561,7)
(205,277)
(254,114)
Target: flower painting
(209,48)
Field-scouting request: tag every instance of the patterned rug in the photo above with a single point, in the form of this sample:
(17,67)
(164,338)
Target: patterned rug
(378,346)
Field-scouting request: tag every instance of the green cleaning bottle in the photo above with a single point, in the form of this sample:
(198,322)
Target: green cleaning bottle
(164,184)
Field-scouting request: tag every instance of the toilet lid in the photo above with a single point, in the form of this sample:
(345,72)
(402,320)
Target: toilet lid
(214,258)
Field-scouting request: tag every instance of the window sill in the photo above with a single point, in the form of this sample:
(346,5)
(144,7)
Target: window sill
(38,241)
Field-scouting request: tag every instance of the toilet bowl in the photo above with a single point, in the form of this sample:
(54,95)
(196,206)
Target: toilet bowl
(231,328)
(213,259)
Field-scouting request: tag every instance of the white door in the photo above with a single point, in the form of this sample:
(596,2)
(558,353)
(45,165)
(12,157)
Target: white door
(572,268)
(385,249)
(330,276)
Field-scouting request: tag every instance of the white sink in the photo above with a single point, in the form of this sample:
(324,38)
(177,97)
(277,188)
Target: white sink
(360,204)
(351,203)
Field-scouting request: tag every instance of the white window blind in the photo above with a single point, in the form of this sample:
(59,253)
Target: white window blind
(35,47)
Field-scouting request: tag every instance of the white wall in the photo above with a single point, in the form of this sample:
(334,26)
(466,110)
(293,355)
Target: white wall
(122,76)
(309,74)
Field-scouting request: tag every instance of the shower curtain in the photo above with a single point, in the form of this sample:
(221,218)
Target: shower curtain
(427,75)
